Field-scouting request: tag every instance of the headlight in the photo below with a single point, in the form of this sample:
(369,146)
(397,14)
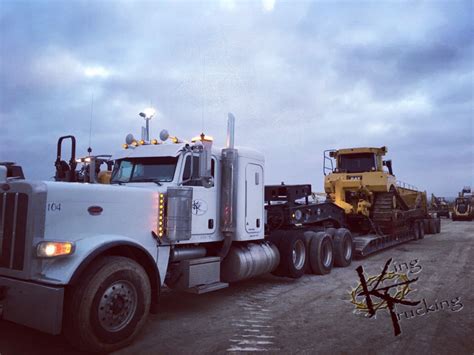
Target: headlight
(51,249)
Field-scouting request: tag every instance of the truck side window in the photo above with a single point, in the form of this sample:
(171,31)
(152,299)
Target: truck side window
(123,171)
(187,171)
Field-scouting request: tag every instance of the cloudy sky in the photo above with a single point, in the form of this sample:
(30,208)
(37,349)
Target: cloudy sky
(300,77)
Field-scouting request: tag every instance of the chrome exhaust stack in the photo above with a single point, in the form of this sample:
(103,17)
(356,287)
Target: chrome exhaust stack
(228,188)
(230,131)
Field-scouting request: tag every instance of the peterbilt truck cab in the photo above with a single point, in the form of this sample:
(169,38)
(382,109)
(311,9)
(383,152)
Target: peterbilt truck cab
(163,166)
(87,260)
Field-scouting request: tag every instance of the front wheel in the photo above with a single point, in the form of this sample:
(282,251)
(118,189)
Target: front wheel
(108,306)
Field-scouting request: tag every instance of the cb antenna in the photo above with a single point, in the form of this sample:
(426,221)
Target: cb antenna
(89,150)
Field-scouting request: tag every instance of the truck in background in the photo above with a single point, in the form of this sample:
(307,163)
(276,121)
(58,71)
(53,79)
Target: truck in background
(185,214)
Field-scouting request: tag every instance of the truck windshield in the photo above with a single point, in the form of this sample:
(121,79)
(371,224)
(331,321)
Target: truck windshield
(356,163)
(144,170)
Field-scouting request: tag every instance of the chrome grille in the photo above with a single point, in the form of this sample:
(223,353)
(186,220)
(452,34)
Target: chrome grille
(13,219)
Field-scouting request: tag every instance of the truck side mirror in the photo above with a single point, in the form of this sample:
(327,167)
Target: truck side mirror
(205,174)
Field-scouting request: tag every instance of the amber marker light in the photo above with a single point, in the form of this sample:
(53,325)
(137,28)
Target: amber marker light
(202,138)
(161,216)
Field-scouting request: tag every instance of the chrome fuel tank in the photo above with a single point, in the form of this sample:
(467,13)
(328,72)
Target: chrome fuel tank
(249,260)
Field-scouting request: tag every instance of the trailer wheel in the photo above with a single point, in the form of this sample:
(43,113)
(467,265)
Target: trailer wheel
(438,225)
(293,255)
(415,230)
(331,231)
(343,247)
(426,226)
(321,253)
(108,306)
(432,226)
(276,238)
(421,226)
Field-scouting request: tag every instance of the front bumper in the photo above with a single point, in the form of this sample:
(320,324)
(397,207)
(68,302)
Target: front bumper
(33,305)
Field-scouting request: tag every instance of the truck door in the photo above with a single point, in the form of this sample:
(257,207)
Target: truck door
(253,198)
(204,207)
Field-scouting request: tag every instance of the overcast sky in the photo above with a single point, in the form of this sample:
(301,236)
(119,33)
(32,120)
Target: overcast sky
(300,77)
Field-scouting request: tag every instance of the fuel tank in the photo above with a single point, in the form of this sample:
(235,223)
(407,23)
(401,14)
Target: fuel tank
(249,260)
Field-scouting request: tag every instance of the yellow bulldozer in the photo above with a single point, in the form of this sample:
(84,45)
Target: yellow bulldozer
(464,205)
(361,182)
(440,206)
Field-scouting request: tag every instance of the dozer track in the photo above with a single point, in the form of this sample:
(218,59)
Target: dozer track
(390,223)
(388,212)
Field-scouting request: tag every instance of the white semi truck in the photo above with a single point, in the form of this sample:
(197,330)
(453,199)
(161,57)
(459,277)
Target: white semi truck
(88,260)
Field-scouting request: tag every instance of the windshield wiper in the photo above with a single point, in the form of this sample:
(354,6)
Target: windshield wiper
(156,181)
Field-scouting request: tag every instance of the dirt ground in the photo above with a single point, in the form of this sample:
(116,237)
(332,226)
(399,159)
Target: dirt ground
(313,314)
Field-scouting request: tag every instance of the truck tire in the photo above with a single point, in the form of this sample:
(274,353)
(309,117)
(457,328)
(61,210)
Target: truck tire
(421,226)
(343,247)
(438,225)
(432,226)
(331,231)
(108,306)
(293,255)
(426,226)
(321,256)
(415,230)
(276,237)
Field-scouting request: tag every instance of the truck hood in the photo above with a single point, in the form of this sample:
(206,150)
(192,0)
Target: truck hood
(75,211)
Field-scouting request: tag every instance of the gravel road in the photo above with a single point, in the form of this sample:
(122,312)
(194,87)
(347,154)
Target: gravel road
(312,314)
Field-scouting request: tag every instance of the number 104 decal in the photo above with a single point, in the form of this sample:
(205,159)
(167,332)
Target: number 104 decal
(54,207)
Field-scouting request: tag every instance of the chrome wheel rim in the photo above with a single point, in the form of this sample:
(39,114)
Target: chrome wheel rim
(348,249)
(117,306)
(299,254)
(327,254)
